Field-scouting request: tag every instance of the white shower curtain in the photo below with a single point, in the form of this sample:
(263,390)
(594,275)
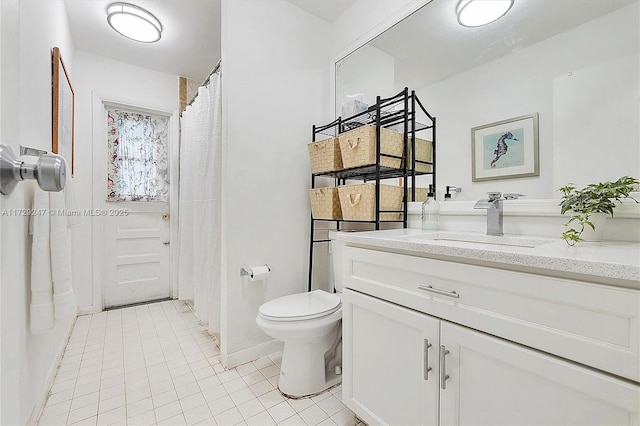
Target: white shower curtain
(200,211)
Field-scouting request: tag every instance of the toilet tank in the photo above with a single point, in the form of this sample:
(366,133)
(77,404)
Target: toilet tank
(336,264)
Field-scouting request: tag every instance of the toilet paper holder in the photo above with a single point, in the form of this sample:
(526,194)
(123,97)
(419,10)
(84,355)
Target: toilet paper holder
(244,272)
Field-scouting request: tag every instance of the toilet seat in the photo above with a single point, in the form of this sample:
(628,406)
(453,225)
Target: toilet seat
(301,306)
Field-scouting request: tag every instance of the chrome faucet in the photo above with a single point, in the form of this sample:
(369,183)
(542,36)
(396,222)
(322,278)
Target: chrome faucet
(493,205)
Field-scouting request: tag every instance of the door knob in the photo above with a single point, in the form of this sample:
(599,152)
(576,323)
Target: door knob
(166,243)
(165,216)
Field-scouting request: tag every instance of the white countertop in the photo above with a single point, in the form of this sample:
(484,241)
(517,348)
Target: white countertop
(608,262)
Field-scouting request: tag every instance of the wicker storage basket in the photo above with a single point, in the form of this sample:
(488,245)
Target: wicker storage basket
(358,147)
(325,203)
(421,194)
(325,156)
(358,201)
(424,152)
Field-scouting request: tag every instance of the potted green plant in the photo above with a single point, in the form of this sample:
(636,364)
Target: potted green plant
(592,200)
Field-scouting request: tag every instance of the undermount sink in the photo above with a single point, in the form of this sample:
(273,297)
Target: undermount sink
(474,240)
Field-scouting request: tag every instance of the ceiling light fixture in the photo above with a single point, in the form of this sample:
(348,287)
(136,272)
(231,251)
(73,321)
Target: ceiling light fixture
(134,22)
(475,13)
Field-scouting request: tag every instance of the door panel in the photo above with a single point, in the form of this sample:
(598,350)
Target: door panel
(384,359)
(137,258)
(496,382)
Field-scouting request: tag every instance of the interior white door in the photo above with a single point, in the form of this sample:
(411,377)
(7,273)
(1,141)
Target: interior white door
(135,160)
(136,236)
(495,382)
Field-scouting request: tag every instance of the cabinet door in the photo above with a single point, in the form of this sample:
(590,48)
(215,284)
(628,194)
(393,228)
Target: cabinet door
(386,361)
(496,382)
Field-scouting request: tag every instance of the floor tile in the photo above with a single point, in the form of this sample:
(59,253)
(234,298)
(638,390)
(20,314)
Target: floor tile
(313,415)
(192,401)
(177,420)
(209,421)
(250,408)
(253,377)
(344,418)
(58,420)
(140,407)
(83,413)
(111,403)
(56,409)
(138,394)
(164,398)
(214,393)
(143,419)
(235,385)
(117,416)
(331,405)
(229,417)
(81,401)
(56,398)
(245,369)
(162,387)
(270,371)
(209,382)
(188,390)
(157,365)
(168,410)
(282,411)
(294,420)
(221,405)
(261,388)
(197,414)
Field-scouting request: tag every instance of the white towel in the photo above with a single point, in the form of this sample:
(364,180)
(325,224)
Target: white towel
(52,295)
(64,301)
(42,316)
(71,204)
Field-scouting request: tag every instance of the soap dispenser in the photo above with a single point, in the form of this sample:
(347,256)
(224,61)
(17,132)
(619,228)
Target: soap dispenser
(430,212)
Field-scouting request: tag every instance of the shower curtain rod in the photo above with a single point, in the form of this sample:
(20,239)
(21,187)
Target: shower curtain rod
(213,71)
(206,81)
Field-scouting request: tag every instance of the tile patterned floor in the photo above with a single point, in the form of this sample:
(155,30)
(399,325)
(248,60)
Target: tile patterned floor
(156,364)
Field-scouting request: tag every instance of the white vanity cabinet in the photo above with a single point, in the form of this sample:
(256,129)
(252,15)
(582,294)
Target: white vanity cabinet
(415,357)
(390,361)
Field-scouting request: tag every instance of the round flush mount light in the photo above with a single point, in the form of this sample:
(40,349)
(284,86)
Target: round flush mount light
(475,13)
(134,22)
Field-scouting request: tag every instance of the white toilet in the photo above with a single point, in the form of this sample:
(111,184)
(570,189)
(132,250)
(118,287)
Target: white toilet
(310,325)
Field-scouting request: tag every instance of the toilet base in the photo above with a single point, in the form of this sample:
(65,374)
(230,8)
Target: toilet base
(338,381)
(307,369)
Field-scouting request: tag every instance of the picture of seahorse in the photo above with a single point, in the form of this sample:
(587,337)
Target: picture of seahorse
(502,147)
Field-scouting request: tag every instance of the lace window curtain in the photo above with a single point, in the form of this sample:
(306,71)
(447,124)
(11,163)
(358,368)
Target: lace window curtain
(138,164)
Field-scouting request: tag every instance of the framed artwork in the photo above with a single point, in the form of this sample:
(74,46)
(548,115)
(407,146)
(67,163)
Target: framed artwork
(505,149)
(63,111)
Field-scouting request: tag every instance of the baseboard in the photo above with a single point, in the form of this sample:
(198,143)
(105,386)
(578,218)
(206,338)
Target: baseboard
(89,310)
(41,400)
(250,354)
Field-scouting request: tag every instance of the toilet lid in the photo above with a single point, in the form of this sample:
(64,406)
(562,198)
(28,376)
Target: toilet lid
(301,306)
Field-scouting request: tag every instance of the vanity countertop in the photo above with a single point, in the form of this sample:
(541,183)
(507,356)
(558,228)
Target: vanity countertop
(608,262)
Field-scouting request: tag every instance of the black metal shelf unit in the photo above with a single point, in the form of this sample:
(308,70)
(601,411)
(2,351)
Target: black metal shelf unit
(398,113)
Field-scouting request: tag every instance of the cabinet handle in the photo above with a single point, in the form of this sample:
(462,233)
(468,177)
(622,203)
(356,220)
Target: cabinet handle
(431,289)
(443,368)
(427,345)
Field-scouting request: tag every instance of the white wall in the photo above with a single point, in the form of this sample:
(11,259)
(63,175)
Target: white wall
(28,362)
(592,115)
(275,84)
(98,79)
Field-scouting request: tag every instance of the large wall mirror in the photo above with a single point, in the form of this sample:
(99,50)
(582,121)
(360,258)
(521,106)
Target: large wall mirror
(573,62)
